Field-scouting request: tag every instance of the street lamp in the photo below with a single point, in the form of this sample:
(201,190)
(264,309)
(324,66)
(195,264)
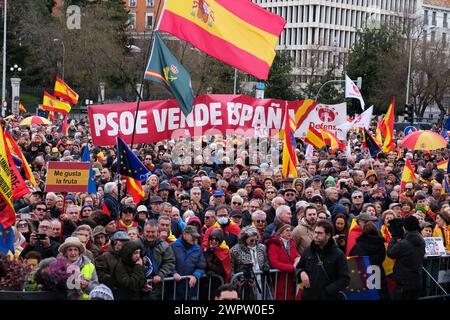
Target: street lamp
(5,4)
(64,53)
(15,86)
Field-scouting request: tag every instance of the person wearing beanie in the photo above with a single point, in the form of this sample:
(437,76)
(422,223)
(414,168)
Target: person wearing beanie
(101,292)
(409,253)
(107,262)
(108,223)
(283,255)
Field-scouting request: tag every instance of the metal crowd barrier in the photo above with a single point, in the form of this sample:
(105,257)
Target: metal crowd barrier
(179,290)
(268,286)
(436,278)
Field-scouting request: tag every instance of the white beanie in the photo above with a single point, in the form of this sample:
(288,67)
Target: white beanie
(101,292)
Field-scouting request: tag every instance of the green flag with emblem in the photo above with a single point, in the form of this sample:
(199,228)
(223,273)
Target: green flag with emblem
(164,68)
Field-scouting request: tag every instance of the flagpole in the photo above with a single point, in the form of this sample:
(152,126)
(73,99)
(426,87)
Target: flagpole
(141,89)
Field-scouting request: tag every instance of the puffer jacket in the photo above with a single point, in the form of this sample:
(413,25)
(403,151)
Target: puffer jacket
(129,276)
(324,285)
(302,235)
(409,253)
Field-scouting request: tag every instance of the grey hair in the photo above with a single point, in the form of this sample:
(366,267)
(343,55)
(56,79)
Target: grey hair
(281,209)
(276,199)
(247,232)
(195,189)
(258,213)
(109,187)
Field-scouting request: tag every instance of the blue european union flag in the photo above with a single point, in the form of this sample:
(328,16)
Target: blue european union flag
(92,187)
(447,123)
(129,164)
(6,240)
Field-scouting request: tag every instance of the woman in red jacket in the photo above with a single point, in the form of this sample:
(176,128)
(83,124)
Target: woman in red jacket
(283,256)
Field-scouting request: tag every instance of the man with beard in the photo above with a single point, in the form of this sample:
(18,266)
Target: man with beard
(158,258)
(303,233)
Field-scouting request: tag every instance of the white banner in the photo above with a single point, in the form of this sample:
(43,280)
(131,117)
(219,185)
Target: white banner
(327,117)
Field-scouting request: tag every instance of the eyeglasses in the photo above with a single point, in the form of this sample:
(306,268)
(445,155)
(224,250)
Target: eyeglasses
(408,188)
(391,183)
(214,239)
(252,241)
(206,217)
(197,181)
(290,194)
(260,221)
(41,209)
(356,197)
(364,185)
(22,225)
(148,158)
(270,191)
(237,203)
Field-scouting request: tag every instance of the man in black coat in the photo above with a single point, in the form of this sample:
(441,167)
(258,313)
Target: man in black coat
(323,267)
(409,253)
(109,200)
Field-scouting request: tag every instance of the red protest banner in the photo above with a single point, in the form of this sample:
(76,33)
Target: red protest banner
(67,176)
(211,114)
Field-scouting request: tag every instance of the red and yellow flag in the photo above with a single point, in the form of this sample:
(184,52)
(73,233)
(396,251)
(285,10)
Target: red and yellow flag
(290,160)
(7,213)
(15,149)
(135,189)
(239,32)
(314,138)
(408,175)
(52,104)
(387,128)
(331,140)
(63,91)
(378,137)
(443,165)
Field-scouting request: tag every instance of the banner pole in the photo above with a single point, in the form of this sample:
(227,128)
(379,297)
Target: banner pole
(63,212)
(141,89)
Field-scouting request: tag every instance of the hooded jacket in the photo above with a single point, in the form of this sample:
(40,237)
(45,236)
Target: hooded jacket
(371,246)
(409,253)
(129,276)
(325,285)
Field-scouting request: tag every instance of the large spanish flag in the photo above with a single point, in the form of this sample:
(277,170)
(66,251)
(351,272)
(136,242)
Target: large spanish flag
(7,213)
(237,32)
(387,128)
(50,103)
(63,91)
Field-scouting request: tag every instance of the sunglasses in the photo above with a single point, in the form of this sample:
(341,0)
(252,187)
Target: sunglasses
(260,221)
(237,203)
(22,225)
(356,197)
(408,188)
(253,241)
(270,191)
(391,183)
(290,194)
(214,239)
(364,185)
(41,209)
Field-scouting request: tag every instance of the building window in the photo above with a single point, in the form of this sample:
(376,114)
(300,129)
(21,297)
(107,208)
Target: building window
(433,21)
(433,36)
(132,21)
(444,39)
(148,20)
(150,3)
(444,21)
(132,3)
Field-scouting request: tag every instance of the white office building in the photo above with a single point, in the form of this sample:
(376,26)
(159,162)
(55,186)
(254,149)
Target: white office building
(321,32)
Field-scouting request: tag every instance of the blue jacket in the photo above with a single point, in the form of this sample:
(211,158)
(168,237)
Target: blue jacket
(188,261)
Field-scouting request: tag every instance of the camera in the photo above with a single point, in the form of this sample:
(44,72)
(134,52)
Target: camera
(40,236)
(396,227)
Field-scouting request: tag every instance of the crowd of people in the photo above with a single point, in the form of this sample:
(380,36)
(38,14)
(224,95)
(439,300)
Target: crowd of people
(219,217)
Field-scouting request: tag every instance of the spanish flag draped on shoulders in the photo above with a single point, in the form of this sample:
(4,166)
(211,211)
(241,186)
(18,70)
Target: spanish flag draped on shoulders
(231,230)
(388,263)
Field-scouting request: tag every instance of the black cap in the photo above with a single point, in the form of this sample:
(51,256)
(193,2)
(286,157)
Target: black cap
(156,199)
(316,198)
(411,224)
